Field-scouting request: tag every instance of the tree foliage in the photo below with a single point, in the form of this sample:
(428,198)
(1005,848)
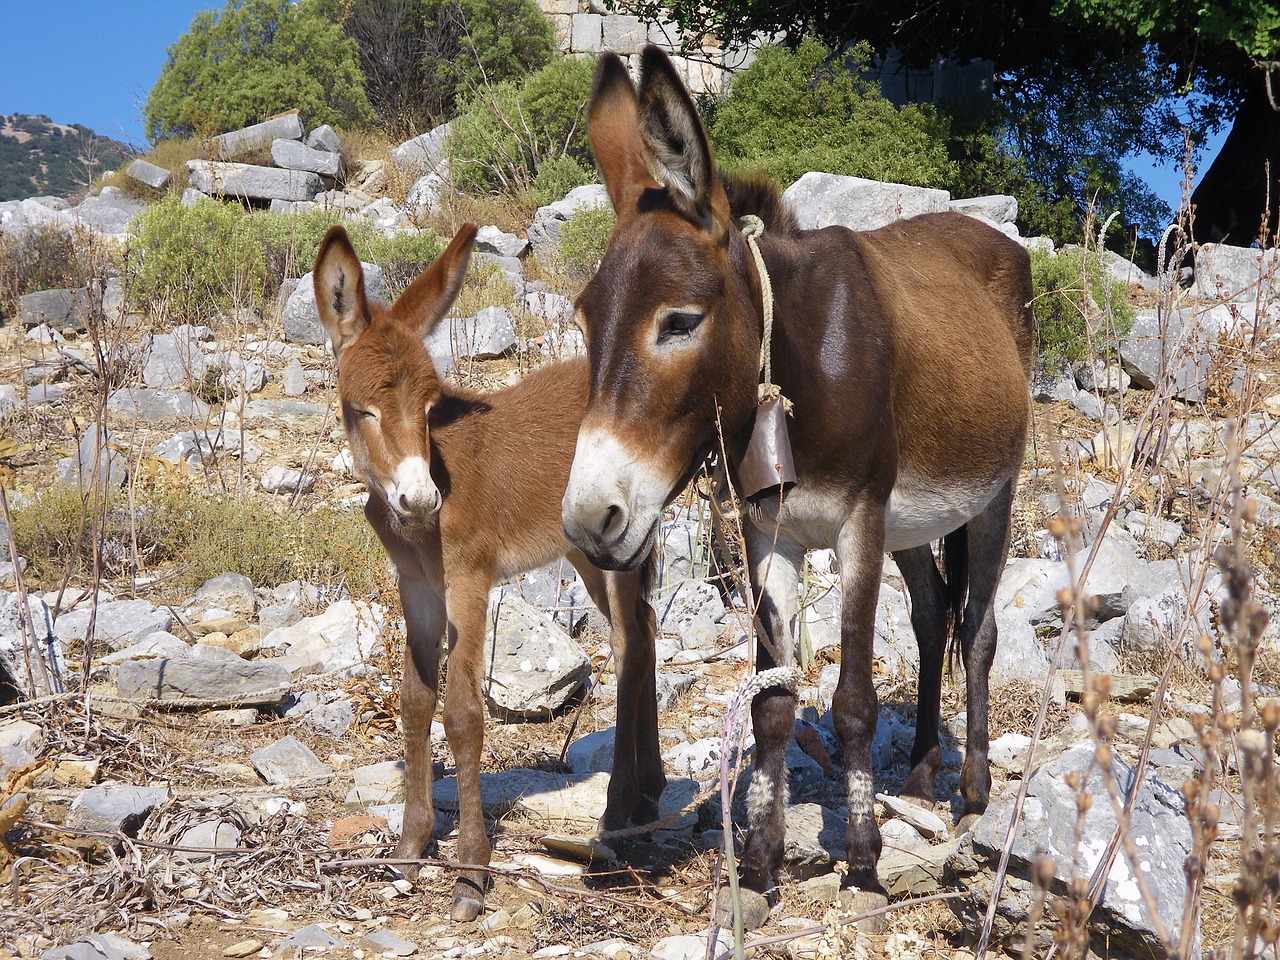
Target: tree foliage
(252,59)
(795,111)
(1080,84)
(421,57)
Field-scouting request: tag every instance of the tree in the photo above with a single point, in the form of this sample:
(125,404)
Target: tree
(421,57)
(1080,83)
(252,59)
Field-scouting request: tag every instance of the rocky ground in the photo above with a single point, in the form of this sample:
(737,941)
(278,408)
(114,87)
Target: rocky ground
(223,784)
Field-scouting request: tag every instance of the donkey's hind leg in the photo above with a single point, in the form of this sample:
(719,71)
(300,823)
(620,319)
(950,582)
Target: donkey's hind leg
(424,629)
(637,780)
(929,621)
(988,549)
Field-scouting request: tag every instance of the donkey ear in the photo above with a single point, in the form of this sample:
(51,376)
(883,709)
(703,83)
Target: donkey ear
(339,285)
(430,296)
(613,127)
(677,143)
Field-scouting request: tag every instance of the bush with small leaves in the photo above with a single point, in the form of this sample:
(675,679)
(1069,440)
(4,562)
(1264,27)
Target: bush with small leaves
(1073,298)
(584,238)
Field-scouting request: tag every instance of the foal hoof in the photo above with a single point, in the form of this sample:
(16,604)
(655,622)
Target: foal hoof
(755,908)
(856,901)
(966,823)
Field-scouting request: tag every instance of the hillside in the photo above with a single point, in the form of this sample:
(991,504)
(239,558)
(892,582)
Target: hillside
(39,157)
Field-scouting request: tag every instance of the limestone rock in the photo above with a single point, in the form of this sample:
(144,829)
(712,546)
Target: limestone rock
(827,199)
(531,666)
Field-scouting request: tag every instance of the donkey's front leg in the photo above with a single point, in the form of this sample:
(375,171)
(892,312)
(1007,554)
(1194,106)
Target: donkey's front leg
(424,628)
(860,548)
(467,602)
(775,569)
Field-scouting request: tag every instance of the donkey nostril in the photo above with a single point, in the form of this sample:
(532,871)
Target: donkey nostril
(404,503)
(614,518)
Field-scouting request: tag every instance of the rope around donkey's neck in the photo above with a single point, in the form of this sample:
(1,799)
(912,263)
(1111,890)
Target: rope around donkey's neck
(752,229)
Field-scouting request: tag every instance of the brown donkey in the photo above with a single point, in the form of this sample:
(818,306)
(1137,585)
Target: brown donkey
(464,491)
(905,352)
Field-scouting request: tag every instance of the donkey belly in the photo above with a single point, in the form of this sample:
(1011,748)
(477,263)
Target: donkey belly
(921,510)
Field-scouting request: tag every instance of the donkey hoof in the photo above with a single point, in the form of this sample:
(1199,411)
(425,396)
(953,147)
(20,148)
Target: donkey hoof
(966,823)
(465,907)
(755,908)
(856,901)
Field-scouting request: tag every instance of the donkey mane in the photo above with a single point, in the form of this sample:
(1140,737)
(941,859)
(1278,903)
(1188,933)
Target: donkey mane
(757,195)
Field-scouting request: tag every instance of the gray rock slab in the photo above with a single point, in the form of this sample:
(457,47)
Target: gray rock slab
(492,240)
(1158,828)
(108,213)
(548,221)
(312,938)
(149,174)
(20,743)
(384,943)
(491,333)
(256,683)
(285,480)
(531,666)
(152,404)
(827,199)
(99,946)
(998,208)
(113,808)
(1185,347)
(269,412)
(1235,273)
(340,637)
(424,153)
(244,181)
(377,783)
(301,320)
(172,361)
(63,309)
(324,137)
(592,753)
(97,460)
(38,644)
(287,126)
(207,835)
(292,155)
(692,611)
(118,623)
(232,592)
(288,761)
(624,35)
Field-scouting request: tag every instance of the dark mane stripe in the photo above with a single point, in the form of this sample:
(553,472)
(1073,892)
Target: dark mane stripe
(756,194)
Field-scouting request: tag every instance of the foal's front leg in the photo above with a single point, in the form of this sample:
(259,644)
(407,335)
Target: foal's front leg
(467,602)
(424,629)
(775,569)
(860,548)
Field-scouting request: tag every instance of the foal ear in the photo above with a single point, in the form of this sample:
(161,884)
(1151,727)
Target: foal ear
(430,296)
(339,285)
(613,127)
(677,143)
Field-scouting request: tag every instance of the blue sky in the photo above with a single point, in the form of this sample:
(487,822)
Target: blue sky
(93,62)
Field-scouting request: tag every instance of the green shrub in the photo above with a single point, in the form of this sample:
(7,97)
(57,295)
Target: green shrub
(43,258)
(1067,319)
(506,133)
(193,262)
(558,176)
(197,537)
(795,111)
(584,238)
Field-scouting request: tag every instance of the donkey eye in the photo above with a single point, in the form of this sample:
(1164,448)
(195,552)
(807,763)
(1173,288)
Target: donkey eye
(679,323)
(364,414)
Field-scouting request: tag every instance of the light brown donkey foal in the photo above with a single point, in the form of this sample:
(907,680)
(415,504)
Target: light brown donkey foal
(464,491)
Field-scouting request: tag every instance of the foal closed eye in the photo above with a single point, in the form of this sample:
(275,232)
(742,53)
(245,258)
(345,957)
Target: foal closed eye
(678,324)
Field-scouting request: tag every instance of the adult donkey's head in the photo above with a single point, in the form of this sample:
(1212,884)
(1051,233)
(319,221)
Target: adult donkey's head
(671,316)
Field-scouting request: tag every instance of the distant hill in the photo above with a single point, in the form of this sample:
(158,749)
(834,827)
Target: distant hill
(41,158)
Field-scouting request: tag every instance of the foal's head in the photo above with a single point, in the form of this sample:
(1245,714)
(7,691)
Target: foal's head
(670,317)
(387,382)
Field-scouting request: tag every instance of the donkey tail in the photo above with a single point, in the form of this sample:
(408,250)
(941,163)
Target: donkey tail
(955,569)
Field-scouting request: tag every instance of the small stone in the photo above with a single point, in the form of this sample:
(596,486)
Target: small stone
(288,760)
(312,937)
(387,944)
(927,822)
(244,948)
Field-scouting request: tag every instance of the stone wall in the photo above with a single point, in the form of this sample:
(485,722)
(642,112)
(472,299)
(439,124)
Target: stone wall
(586,27)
